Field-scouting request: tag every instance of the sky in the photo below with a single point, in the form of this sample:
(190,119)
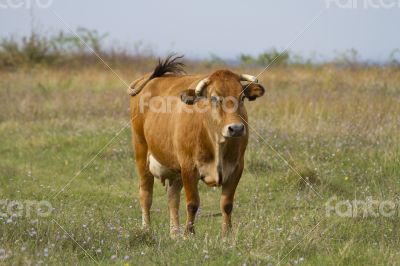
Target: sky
(313,28)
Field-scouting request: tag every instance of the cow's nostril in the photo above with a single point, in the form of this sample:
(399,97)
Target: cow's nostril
(236,129)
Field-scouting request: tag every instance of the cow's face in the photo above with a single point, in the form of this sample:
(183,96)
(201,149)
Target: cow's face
(223,95)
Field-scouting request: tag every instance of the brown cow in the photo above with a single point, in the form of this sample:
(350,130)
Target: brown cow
(190,128)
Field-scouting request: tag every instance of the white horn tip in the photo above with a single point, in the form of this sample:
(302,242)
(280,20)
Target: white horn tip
(249,78)
(131,92)
(201,85)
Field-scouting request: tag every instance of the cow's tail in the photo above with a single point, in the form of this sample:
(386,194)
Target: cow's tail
(171,65)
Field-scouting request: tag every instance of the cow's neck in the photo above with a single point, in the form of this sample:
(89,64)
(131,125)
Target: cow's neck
(225,154)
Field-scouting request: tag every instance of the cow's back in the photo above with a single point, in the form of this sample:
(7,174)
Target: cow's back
(160,120)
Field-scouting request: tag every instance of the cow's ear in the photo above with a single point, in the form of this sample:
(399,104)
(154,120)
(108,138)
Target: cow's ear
(253,90)
(189,97)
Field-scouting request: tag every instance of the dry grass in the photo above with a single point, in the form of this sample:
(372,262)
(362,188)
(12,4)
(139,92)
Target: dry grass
(338,127)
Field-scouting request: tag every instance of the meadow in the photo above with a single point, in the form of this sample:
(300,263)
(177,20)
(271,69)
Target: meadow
(65,139)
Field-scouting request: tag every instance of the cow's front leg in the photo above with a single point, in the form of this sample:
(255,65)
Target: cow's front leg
(226,202)
(190,183)
(174,196)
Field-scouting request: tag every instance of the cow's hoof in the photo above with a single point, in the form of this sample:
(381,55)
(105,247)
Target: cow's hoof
(189,232)
(226,234)
(146,228)
(175,233)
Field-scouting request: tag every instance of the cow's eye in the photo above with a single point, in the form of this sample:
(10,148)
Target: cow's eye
(242,97)
(214,99)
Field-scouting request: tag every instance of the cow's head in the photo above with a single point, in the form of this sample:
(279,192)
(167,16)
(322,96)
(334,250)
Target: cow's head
(222,95)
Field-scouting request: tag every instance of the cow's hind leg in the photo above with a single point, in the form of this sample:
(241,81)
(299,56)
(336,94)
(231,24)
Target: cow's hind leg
(174,196)
(146,181)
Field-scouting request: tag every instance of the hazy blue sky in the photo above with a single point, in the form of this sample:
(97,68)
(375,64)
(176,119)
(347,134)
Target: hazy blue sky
(225,28)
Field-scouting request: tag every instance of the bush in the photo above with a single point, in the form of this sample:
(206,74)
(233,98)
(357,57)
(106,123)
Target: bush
(273,57)
(269,58)
(61,48)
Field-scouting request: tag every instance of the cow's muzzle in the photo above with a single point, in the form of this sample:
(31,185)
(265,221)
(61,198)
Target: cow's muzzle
(234,130)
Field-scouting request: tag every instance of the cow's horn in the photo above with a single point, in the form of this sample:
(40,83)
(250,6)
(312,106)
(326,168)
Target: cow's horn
(250,78)
(201,86)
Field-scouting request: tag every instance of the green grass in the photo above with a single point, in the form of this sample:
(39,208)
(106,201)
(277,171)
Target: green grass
(338,128)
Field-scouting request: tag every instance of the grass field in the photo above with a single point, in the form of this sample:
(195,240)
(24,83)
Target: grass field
(338,128)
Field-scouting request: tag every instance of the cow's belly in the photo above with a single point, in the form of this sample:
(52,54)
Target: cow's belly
(160,171)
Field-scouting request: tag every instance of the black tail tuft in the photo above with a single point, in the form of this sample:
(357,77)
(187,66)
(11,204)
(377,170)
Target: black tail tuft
(170,65)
